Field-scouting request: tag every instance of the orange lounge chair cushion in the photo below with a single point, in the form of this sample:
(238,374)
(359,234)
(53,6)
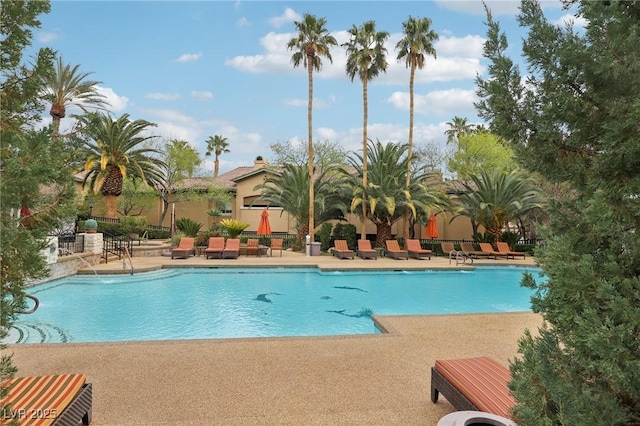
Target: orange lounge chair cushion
(39,400)
(342,246)
(483,381)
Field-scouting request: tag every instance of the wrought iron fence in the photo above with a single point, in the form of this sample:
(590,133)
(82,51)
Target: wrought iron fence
(70,243)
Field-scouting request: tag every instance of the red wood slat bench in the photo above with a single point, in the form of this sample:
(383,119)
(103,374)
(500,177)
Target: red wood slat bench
(63,399)
(478,384)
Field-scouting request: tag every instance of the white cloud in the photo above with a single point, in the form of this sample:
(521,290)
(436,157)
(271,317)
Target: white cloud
(441,102)
(576,21)
(326,133)
(118,103)
(172,115)
(170,130)
(189,57)
(469,46)
(48,36)
(163,96)
(242,22)
(458,59)
(201,95)
(317,102)
(296,102)
(289,15)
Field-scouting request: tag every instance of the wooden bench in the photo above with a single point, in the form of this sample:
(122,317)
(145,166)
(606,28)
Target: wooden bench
(477,384)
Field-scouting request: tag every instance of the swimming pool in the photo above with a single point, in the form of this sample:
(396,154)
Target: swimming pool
(202,303)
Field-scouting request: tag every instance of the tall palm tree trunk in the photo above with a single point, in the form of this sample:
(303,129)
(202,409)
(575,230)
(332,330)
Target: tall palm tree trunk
(216,165)
(111,206)
(310,126)
(363,231)
(57,113)
(405,230)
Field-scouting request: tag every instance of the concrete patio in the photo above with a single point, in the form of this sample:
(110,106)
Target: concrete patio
(377,379)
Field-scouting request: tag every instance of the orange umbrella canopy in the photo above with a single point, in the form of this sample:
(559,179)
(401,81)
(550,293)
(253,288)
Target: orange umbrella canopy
(264,228)
(432,227)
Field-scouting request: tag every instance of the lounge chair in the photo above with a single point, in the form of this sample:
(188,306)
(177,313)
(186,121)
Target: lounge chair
(365,251)
(448,248)
(276,244)
(231,248)
(488,248)
(394,251)
(252,246)
(216,245)
(185,248)
(476,384)
(471,252)
(416,251)
(63,399)
(342,250)
(504,248)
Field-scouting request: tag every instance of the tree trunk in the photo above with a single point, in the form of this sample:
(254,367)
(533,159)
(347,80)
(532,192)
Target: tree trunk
(496,232)
(363,231)
(302,234)
(57,113)
(383,233)
(216,166)
(310,128)
(165,209)
(111,206)
(405,227)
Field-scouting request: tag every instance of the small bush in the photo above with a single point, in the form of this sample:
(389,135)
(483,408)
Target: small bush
(188,227)
(233,227)
(346,231)
(324,233)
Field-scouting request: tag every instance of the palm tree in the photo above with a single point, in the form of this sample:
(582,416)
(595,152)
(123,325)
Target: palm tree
(218,145)
(312,42)
(387,194)
(116,149)
(458,126)
(493,198)
(65,87)
(289,189)
(413,48)
(366,58)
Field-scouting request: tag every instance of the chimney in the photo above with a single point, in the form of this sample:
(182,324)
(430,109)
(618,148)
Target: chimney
(259,163)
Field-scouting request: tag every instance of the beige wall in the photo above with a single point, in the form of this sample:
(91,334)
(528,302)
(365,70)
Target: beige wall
(459,228)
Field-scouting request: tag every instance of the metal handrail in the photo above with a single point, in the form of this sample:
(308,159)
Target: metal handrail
(35,307)
(127,255)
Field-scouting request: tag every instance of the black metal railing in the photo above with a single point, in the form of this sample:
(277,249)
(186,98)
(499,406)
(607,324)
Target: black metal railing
(70,243)
(115,245)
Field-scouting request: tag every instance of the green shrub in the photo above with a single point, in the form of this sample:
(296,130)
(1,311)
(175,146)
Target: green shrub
(133,224)
(233,227)
(202,239)
(510,238)
(324,233)
(346,231)
(157,234)
(188,227)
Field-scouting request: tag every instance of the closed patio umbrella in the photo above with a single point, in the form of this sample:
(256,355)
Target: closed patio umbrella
(432,229)
(264,228)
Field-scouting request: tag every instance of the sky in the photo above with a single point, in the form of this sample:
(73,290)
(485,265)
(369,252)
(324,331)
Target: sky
(204,68)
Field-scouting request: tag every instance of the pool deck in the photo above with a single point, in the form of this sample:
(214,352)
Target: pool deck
(380,379)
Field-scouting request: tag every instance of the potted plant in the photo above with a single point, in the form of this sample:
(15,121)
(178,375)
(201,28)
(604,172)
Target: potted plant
(90,226)
(233,227)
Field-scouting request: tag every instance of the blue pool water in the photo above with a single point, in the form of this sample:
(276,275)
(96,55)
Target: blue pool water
(229,302)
